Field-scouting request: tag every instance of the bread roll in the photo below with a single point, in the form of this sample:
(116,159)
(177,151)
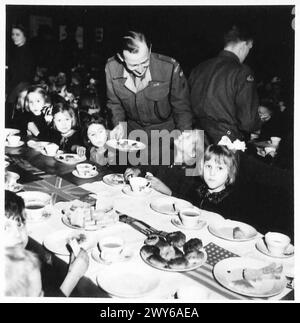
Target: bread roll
(238,233)
(167,252)
(178,263)
(157,261)
(152,240)
(176,239)
(192,244)
(147,251)
(194,257)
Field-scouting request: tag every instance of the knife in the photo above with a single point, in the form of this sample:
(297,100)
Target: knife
(140,225)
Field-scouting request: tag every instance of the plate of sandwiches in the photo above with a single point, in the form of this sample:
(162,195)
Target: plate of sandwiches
(114,179)
(125,145)
(250,277)
(233,230)
(173,253)
(80,215)
(70,159)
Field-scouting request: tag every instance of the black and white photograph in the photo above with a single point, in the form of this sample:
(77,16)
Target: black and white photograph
(149,153)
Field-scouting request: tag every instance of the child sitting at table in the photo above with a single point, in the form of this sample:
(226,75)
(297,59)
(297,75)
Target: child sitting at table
(96,134)
(65,133)
(213,190)
(15,232)
(34,120)
(22,267)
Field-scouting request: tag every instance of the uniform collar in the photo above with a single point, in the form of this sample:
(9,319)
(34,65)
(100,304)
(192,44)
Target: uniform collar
(227,53)
(129,83)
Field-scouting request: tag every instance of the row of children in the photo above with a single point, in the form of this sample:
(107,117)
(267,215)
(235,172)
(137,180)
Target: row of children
(51,118)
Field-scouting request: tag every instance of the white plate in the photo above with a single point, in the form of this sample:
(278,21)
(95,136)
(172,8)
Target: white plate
(224,230)
(200,225)
(261,246)
(92,174)
(126,145)
(70,159)
(127,190)
(112,179)
(21,143)
(127,281)
(57,241)
(125,255)
(189,268)
(37,145)
(11,131)
(165,205)
(43,152)
(268,287)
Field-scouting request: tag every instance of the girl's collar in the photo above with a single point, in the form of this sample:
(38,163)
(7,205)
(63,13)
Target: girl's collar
(68,134)
(214,198)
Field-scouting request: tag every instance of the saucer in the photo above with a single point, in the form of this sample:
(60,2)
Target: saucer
(43,152)
(21,143)
(92,174)
(261,246)
(127,190)
(200,225)
(125,255)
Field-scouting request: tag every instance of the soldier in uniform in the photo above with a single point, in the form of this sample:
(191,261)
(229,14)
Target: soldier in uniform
(146,89)
(223,91)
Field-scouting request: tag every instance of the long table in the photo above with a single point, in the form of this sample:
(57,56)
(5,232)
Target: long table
(53,177)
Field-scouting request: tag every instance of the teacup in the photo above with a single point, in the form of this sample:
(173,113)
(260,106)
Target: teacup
(51,149)
(189,217)
(34,210)
(139,184)
(13,140)
(275,141)
(277,243)
(111,248)
(85,169)
(11,179)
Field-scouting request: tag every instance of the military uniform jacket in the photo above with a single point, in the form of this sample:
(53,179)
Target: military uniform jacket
(163,104)
(224,98)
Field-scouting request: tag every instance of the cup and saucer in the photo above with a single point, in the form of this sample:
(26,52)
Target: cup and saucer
(13,141)
(111,250)
(50,150)
(85,170)
(138,186)
(189,219)
(276,245)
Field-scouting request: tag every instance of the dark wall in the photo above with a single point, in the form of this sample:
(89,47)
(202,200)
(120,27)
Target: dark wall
(188,33)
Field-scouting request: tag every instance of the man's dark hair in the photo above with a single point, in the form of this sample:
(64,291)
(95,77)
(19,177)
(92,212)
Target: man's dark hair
(238,33)
(129,41)
(14,206)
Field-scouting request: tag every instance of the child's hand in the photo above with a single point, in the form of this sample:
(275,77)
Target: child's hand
(32,129)
(131,172)
(79,265)
(159,186)
(118,132)
(80,151)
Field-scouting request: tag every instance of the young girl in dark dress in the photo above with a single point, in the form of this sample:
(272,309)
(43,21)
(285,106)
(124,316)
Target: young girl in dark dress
(65,134)
(33,122)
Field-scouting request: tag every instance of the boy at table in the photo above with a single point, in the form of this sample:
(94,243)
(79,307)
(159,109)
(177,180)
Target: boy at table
(15,241)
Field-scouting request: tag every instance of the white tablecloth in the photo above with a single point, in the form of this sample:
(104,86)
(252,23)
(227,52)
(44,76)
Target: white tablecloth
(169,282)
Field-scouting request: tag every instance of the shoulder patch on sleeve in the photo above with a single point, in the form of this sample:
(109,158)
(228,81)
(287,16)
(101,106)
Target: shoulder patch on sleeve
(250,78)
